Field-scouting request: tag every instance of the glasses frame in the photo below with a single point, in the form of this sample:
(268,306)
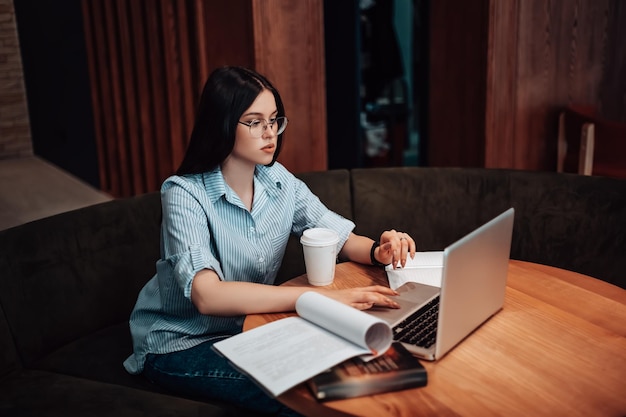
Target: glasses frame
(265,124)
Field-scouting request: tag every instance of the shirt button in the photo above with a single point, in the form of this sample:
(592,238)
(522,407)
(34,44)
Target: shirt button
(261,260)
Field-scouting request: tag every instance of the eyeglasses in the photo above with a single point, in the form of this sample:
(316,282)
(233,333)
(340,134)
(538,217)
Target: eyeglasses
(257,127)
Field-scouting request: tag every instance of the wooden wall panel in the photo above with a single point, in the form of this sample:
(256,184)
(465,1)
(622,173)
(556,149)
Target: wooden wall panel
(289,49)
(539,57)
(561,52)
(457,88)
(501,84)
(613,87)
(149,60)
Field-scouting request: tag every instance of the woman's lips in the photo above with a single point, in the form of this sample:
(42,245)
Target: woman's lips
(269,148)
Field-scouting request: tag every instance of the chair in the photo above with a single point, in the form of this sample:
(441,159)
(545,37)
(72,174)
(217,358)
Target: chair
(572,155)
(590,144)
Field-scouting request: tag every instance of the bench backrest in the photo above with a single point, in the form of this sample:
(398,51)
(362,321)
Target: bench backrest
(77,272)
(569,221)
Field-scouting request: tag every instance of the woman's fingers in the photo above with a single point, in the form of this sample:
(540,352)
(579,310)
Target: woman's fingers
(375,296)
(398,245)
(378,288)
(363,298)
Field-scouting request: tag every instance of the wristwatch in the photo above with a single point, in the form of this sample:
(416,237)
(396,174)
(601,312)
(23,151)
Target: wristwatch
(372,257)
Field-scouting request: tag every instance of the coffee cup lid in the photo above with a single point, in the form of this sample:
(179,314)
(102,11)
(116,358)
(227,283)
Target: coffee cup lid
(319,237)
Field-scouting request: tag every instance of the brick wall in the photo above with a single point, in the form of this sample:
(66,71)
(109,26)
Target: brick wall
(15,139)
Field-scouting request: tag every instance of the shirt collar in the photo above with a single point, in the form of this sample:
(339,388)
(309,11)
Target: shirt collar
(215,185)
(265,176)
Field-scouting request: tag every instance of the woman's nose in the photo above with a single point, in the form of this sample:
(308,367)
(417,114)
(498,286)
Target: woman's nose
(268,132)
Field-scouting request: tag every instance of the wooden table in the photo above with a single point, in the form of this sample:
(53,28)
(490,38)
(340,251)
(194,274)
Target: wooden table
(557,348)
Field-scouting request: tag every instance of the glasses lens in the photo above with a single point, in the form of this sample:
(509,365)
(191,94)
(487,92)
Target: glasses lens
(280,125)
(256,128)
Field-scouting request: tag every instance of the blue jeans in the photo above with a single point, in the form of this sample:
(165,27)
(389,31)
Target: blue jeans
(203,373)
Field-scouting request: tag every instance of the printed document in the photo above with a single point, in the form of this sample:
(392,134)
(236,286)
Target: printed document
(286,352)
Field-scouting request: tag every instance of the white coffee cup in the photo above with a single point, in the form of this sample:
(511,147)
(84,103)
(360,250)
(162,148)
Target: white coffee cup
(320,255)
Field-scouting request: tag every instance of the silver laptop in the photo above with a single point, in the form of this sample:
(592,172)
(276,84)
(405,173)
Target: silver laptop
(432,320)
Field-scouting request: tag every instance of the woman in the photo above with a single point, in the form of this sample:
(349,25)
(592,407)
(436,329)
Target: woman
(227,215)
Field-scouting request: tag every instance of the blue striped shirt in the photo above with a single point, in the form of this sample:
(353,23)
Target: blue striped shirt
(206,226)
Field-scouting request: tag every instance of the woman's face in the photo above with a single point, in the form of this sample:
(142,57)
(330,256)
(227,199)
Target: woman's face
(251,149)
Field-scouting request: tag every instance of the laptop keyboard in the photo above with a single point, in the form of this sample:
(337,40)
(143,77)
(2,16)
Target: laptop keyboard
(420,328)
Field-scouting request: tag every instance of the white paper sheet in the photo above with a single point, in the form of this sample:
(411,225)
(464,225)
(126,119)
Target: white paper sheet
(425,268)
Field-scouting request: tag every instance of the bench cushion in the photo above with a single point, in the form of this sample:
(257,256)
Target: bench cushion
(46,394)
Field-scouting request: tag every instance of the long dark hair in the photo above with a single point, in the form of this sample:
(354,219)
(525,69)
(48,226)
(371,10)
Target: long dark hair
(227,93)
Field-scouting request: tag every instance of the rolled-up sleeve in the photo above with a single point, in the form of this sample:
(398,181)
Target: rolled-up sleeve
(189,263)
(186,236)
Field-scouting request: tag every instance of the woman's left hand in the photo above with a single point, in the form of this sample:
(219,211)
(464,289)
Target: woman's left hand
(394,248)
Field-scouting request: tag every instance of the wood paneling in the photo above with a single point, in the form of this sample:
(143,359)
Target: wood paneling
(289,50)
(561,49)
(499,72)
(149,60)
(501,85)
(539,56)
(458,48)
(613,87)
(147,66)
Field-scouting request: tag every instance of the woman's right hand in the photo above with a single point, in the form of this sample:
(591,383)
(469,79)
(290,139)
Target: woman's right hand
(363,298)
